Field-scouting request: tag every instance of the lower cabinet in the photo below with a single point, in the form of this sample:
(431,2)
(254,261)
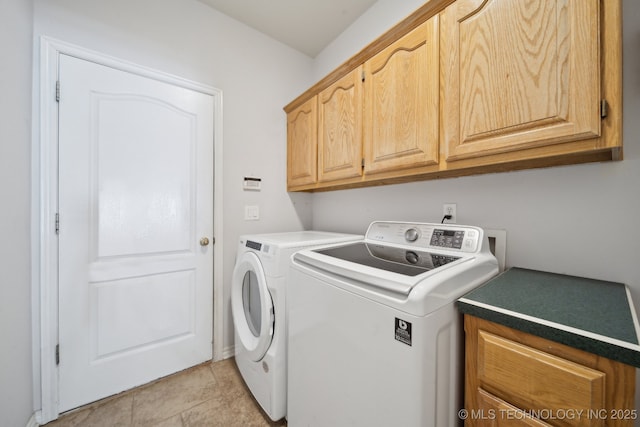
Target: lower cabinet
(516,379)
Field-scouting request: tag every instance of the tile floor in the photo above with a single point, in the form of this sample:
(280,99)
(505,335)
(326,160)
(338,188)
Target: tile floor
(207,395)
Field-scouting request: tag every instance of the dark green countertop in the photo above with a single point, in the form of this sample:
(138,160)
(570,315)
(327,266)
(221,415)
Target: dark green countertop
(592,315)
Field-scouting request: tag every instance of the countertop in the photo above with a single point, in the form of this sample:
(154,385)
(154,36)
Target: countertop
(591,315)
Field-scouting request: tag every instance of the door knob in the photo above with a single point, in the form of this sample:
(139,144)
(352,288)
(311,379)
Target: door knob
(204,241)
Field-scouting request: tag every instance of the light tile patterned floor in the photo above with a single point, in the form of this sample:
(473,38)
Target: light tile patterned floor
(208,395)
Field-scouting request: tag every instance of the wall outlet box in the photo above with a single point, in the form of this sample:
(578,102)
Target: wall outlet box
(450,209)
(498,246)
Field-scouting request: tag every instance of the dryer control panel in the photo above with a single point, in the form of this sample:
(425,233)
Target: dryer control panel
(263,248)
(254,245)
(453,237)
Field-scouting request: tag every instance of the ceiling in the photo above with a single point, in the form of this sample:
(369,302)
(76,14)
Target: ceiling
(305,25)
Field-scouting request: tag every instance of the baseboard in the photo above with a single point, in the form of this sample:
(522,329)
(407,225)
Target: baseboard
(228,352)
(32,422)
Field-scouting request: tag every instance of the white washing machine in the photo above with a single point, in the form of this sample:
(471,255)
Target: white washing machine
(374,336)
(259,310)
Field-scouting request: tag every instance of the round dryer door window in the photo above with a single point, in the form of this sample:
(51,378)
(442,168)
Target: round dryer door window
(251,306)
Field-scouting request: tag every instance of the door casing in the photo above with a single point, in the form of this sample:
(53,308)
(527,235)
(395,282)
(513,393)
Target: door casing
(44,201)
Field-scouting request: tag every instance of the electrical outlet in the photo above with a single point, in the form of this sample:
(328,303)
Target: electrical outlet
(450,209)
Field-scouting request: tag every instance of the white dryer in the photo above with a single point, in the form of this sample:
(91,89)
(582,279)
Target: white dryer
(259,310)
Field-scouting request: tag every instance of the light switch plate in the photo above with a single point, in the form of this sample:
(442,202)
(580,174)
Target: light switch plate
(251,213)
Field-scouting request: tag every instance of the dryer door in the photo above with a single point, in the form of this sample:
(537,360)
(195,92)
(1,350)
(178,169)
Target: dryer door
(251,306)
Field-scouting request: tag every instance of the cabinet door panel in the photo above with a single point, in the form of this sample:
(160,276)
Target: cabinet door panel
(519,74)
(504,366)
(340,128)
(538,381)
(302,144)
(402,102)
(496,412)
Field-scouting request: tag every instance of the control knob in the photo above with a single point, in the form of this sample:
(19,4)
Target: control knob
(411,235)
(411,257)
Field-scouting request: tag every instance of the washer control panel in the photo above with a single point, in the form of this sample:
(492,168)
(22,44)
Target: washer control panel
(447,238)
(424,235)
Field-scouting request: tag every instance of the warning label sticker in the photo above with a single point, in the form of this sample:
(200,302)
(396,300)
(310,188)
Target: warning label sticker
(403,331)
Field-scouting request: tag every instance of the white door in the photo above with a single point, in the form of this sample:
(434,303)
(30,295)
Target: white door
(135,200)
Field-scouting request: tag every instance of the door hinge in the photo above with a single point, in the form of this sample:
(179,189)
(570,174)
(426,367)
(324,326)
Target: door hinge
(57,223)
(604,108)
(362,163)
(58,91)
(362,75)
(57,354)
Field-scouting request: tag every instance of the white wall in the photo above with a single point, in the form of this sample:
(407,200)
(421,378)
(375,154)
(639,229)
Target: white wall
(557,219)
(256,74)
(15,141)
(542,210)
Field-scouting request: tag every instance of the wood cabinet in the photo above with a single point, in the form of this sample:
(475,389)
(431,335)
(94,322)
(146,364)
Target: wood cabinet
(514,378)
(519,74)
(302,145)
(401,105)
(471,86)
(340,129)
(380,117)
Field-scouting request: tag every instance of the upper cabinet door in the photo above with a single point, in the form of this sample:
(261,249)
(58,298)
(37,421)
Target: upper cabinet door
(401,93)
(302,144)
(519,74)
(340,129)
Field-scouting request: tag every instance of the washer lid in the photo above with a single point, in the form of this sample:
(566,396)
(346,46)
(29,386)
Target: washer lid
(396,278)
(409,262)
(252,306)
